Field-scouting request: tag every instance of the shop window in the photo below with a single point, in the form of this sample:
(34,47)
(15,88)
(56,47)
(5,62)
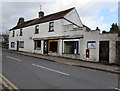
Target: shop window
(91,44)
(12,44)
(37,29)
(21,44)
(71,47)
(51,26)
(38,44)
(53,46)
(21,33)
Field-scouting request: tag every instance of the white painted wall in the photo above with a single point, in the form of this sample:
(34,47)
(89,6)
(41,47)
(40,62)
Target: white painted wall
(65,28)
(73,17)
(94,53)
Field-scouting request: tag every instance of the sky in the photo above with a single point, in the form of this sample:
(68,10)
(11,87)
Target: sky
(93,13)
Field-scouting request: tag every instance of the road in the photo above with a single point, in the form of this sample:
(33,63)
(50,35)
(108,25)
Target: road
(33,73)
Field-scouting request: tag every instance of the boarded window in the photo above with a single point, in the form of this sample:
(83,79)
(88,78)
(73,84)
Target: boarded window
(38,44)
(91,44)
(21,44)
(71,47)
(37,29)
(12,44)
(51,26)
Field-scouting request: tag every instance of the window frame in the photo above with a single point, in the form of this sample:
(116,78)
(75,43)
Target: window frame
(13,34)
(37,29)
(21,32)
(36,45)
(51,25)
(74,45)
(20,43)
(12,44)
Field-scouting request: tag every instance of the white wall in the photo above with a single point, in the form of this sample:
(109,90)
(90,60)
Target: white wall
(73,17)
(94,53)
(63,27)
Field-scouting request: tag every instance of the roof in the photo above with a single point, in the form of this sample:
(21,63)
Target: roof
(46,18)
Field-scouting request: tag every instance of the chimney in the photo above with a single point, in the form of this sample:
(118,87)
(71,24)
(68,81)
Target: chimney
(41,14)
(20,21)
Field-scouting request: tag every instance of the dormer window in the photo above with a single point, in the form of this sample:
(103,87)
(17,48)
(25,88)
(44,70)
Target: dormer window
(37,29)
(13,34)
(51,26)
(21,32)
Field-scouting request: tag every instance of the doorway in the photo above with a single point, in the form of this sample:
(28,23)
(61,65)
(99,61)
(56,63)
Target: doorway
(104,51)
(17,45)
(45,47)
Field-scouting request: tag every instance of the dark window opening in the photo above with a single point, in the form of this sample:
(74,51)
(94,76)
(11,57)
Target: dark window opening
(37,29)
(21,44)
(12,44)
(71,47)
(53,46)
(51,26)
(38,44)
(13,34)
(21,33)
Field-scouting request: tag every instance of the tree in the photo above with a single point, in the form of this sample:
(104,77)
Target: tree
(114,28)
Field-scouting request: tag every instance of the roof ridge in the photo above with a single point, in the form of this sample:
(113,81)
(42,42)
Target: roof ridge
(62,11)
(53,16)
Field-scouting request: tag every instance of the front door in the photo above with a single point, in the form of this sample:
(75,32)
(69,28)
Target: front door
(45,47)
(104,51)
(17,45)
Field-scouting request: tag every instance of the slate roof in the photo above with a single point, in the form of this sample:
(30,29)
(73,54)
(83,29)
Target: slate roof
(54,16)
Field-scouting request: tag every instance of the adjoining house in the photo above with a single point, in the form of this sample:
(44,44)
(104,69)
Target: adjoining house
(4,40)
(63,34)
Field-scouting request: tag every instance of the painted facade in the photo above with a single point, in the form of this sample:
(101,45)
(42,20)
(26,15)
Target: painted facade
(64,36)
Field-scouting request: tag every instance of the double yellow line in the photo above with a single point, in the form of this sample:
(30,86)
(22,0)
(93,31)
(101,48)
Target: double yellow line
(4,80)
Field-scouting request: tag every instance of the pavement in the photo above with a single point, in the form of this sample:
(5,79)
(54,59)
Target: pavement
(73,62)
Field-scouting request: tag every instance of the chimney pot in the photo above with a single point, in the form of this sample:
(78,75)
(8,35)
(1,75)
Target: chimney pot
(20,21)
(41,14)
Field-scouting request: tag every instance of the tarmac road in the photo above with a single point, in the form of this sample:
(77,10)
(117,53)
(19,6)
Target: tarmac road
(33,73)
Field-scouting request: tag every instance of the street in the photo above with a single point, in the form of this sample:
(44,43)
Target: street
(33,73)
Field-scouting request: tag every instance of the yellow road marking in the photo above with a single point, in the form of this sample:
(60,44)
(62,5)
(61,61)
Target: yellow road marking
(6,85)
(8,81)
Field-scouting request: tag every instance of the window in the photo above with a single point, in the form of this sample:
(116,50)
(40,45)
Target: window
(91,44)
(21,44)
(38,44)
(13,34)
(71,47)
(51,26)
(37,29)
(53,46)
(12,44)
(21,33)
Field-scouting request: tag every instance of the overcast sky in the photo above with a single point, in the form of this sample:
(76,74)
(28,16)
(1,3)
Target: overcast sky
(96,13)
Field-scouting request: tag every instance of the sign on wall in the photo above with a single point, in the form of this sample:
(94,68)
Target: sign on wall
(91,44)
